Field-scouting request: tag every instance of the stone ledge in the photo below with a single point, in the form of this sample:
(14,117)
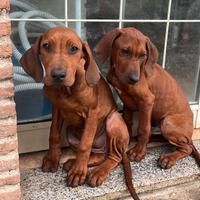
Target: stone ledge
(185,191)
(147,177)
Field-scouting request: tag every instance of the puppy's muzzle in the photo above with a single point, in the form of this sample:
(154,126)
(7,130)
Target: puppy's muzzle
(58,74)
(133,78)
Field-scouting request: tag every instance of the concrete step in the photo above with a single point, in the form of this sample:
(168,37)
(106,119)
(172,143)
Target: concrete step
(182,182)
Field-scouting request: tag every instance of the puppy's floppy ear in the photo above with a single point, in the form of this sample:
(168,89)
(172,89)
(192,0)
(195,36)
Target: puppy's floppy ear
(152,57)
(103,49)
(31,63)
(92,74)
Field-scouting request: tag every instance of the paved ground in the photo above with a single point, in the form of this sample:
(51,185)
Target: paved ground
(151,182)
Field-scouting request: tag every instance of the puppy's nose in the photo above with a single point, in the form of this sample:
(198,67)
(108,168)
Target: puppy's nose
(133,78)
(58,74)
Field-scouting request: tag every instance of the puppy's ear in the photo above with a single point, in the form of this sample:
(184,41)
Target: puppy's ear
(152,57)
(92,74)
(103,49)
(31,63)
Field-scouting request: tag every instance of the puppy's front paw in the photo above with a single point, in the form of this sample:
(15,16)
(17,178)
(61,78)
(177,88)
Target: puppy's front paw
(76,174)
(96,177)
(137,153)
(49,165)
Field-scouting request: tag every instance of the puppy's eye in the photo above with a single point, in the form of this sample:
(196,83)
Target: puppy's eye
(142,56)
(73,49)
(46,46)
(125,51)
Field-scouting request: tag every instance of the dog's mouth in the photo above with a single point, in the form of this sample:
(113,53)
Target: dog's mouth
(64,82)
(132,81)
(48,81)
(58,83)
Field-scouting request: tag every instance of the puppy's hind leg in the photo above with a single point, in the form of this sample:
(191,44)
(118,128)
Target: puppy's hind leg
(177,129)
(117,144)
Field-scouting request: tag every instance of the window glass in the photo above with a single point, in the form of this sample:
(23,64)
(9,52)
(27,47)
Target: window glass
(185,9)
(95,31)
(183,56)
(145,9)
(93,9)
(42,9)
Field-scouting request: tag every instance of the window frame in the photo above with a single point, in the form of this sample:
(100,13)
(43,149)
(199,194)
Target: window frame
(195,106)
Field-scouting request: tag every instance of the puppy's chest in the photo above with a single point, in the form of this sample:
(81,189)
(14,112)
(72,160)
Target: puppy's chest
(73,118)
(73,112)
(132,92)
(73,106)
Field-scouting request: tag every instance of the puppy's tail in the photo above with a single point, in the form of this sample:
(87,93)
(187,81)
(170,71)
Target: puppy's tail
(128,176)
(195,154)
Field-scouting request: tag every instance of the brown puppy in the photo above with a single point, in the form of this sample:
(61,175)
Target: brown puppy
(146,87)
(83,100)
